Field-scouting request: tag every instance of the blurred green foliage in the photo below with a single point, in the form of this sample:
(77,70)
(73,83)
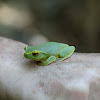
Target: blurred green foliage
(75,22)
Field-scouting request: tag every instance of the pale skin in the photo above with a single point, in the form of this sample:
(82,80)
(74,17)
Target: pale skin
(76,78)
(49,52)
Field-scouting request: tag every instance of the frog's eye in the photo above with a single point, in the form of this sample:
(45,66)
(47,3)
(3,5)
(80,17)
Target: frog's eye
(25,47)
(35,53)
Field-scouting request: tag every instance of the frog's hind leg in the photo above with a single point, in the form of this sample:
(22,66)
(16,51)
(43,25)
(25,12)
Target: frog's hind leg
(66,52)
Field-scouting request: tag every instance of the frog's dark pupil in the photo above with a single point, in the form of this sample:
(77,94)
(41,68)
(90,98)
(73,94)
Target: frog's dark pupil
(35,54)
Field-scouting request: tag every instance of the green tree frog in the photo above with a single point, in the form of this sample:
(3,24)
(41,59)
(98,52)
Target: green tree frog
(48,52)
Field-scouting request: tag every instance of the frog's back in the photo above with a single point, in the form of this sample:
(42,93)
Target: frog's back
(51,47)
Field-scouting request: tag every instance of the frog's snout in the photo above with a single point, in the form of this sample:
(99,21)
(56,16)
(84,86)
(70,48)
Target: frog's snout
(25,55)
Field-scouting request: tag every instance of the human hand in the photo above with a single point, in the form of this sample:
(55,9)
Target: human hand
(76,78)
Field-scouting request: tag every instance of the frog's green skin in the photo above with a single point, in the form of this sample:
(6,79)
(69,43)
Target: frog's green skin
(49,52)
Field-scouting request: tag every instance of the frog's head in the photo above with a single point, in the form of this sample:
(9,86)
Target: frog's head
(31,53)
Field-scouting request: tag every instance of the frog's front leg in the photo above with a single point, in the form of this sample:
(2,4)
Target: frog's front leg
(66,52)
(48,61)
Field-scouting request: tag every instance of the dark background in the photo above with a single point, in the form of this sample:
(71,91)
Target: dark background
(75,22)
